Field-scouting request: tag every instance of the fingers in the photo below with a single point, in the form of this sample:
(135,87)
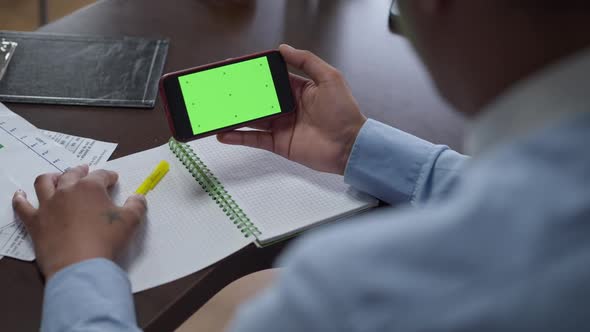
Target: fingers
(72,176)
(261,125)
(24,210)
(103,177)
(317,69)
(135,207)
(45,186)
(298,84)
(255,139)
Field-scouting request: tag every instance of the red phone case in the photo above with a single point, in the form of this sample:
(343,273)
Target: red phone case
(202,68)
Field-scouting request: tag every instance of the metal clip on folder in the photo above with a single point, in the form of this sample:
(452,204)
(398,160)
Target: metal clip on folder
(6,51)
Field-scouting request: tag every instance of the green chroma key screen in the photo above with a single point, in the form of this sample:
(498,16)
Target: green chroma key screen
(229,95)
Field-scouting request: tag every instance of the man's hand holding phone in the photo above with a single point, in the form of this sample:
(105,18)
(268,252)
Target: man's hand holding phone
(322,131)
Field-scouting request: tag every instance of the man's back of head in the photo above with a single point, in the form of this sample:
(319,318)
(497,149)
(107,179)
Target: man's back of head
(476,49)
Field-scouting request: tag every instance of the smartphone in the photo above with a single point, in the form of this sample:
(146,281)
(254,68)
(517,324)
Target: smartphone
(226,95)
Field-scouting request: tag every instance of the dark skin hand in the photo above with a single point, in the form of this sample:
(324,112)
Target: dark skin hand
(321,132)
(77,219)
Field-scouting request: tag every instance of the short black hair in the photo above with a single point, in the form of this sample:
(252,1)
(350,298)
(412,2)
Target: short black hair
(551,5)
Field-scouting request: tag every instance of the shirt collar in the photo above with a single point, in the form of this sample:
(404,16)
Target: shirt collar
(557,91)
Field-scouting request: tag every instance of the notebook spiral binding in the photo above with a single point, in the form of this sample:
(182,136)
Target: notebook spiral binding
(213,187)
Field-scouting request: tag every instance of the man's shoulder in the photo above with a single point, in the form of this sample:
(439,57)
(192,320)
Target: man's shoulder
(561,143)
(492,232)
(540,172)
(548,164)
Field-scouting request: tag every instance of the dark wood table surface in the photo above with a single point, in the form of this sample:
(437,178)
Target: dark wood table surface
(353,35)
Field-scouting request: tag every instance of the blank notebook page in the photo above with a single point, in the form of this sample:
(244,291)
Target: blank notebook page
(184,232)
(281,197)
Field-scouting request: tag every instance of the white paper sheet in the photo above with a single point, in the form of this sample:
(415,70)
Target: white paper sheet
(26,152)
(87,151)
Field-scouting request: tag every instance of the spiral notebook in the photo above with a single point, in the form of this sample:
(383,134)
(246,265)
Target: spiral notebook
(217,199)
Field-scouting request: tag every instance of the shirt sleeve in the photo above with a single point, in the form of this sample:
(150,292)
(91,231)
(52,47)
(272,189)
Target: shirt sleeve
(94,295)
(397,167)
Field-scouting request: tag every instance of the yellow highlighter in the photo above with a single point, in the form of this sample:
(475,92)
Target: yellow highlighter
(152,181)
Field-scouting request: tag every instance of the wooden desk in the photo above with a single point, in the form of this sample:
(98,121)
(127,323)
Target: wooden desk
(382,71)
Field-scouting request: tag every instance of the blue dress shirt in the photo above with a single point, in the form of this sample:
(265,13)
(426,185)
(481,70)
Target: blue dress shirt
(494,243)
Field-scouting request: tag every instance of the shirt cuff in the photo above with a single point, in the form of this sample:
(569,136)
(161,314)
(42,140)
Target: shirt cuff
(388,163)
(89,293)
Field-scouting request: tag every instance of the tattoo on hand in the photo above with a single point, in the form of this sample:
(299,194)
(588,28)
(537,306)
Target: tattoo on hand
(112,216)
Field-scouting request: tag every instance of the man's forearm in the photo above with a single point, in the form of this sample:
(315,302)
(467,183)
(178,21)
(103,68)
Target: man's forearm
(94,295)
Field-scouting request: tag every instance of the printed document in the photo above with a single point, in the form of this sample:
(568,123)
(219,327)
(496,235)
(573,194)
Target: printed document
(87,151)
(25,153)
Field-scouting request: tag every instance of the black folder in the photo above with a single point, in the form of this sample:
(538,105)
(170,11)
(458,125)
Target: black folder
(83,70)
